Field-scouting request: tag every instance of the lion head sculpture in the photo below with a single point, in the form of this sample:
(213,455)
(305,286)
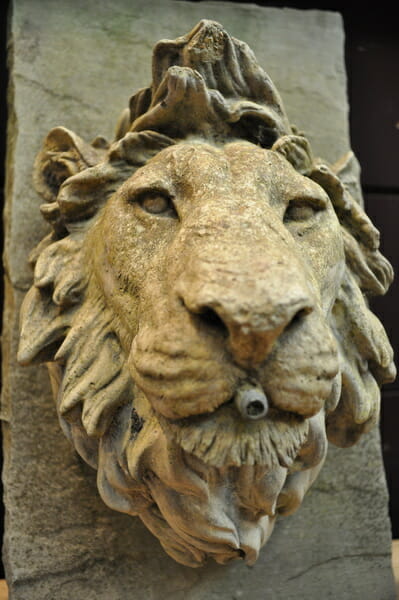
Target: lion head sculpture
(201,302)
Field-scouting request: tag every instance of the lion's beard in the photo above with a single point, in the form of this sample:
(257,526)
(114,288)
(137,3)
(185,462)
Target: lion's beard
(226,511)
(223,438)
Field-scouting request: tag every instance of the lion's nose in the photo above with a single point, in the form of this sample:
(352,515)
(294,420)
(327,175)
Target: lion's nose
(251,334)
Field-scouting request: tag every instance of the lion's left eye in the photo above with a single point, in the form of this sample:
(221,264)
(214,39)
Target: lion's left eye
(302,210)
(157,203)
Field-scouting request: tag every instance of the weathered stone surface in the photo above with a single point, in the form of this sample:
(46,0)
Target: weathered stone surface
(70,66)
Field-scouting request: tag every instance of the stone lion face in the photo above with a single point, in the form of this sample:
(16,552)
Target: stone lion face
(230,267)
(202,306)
(228,263)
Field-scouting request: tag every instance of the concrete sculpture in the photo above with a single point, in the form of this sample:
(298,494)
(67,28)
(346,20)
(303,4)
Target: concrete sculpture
(201,302)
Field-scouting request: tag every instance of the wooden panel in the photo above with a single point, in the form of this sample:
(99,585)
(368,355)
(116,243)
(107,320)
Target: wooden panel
(372,61)
(395,563)
(390,448)
(383,209)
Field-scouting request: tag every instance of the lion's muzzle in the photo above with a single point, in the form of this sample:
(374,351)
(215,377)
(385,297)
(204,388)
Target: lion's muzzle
(252,298)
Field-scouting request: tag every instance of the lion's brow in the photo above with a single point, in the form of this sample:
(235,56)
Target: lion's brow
(187,161)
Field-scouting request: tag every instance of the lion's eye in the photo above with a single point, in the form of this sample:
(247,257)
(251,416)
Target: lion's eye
(157,203)
(301,210)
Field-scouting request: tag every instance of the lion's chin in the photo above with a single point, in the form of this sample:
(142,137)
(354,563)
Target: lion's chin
(200,510)
(207,534)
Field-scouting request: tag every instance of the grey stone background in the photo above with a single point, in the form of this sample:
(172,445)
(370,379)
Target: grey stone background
(77,65)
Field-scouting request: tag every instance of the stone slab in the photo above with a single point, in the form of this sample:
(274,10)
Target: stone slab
(76,64)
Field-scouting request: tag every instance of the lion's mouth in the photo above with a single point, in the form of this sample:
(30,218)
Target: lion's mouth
(223,439)
(184,378)
(241,427)
(228,417)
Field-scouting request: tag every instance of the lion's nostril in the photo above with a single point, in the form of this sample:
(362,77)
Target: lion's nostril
(299,316)
(205,314)
(210,318)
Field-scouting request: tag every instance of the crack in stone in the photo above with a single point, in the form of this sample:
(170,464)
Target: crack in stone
(56,95)
(335,558)
(78,570)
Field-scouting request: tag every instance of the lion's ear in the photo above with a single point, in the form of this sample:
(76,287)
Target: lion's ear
(366,362)
(63,154)
(347,169)
(296,149)
(136,148)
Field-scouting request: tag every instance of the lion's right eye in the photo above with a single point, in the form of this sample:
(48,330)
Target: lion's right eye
(156,203)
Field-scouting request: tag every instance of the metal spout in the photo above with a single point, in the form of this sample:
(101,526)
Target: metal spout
(251,401)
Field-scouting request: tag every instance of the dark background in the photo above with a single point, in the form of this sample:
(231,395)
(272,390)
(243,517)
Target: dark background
(372,62)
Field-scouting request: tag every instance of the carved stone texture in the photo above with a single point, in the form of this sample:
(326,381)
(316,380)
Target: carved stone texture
(201,304)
